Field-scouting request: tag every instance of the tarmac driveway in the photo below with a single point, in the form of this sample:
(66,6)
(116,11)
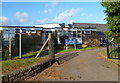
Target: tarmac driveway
(88,66)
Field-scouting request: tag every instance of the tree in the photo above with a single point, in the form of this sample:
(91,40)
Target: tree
(113,17)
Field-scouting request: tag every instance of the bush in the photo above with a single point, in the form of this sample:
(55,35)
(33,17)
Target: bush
(93,42)
(6,56)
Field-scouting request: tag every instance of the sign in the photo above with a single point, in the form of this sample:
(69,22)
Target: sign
(23,31)
(70,41)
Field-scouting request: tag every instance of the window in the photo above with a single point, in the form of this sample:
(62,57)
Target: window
(87,32)
(87,35)
(6,35)
(48,31)
(20,31)
(70,34)
(59,33)
(32,31)
(79,33)
(28,31)
(74,34)
(65,33)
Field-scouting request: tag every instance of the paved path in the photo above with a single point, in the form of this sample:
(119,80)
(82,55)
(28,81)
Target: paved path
(88,66)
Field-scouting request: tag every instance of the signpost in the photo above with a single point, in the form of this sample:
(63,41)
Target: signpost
(70,41)
(20,32)
(20,55)
(10,45)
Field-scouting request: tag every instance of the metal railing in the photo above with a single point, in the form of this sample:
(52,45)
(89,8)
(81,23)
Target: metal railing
(113,48)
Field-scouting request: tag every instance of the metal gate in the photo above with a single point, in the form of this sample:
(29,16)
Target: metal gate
(113,48)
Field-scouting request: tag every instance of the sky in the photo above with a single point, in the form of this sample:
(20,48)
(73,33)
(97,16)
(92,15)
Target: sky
(32,13)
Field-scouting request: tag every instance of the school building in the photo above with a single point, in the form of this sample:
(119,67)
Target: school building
(79,31)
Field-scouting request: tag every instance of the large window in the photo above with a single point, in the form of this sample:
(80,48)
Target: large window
(79,33)
(87,32)
(6,35)
(74,34)
(65,33)
(87,35)
(70,34)
(59,33)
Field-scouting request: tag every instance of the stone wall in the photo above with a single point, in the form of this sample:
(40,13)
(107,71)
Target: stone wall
(25,73)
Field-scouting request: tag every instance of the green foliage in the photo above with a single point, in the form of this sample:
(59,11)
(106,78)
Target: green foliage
(27,55)
(93,42)
(117,40)
(113,17)
(73,50)
(5,53)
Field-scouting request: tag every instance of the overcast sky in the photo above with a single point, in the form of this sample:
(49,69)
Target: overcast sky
(31,13)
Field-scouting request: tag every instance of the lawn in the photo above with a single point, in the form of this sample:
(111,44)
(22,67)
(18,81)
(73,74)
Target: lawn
(114,53)
(104,52)
(73,50)
(10,65)
(32,54)
(45,52)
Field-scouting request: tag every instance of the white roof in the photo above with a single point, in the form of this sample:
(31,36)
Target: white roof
(1,28)
(48,25)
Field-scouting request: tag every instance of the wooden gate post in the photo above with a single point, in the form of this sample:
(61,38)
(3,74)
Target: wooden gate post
(1,53)
(1,44)
(107,48)
(51,50)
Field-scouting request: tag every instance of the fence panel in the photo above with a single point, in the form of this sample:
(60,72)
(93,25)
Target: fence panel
(30,43)
(113,48)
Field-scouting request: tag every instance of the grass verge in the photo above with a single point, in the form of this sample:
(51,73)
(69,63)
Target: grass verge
(72,50)
(104,52)
(10,65)
(114,53)
(45,52)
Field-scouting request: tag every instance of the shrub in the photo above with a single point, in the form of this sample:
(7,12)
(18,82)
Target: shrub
(6,56)
(93,42)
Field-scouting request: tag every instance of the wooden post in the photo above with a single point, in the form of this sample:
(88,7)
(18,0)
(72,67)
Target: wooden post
(107,48)
(75,46)
(1,45)
(66,47)
(1,54)
(49,36)
(51,49)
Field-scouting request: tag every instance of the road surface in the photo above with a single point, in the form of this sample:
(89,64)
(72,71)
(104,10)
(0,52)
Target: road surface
(88,66)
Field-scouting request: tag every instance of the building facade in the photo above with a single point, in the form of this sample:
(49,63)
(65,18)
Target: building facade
(79,31)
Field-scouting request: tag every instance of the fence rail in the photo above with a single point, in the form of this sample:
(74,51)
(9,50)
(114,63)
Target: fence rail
(113,48)
(30,43)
